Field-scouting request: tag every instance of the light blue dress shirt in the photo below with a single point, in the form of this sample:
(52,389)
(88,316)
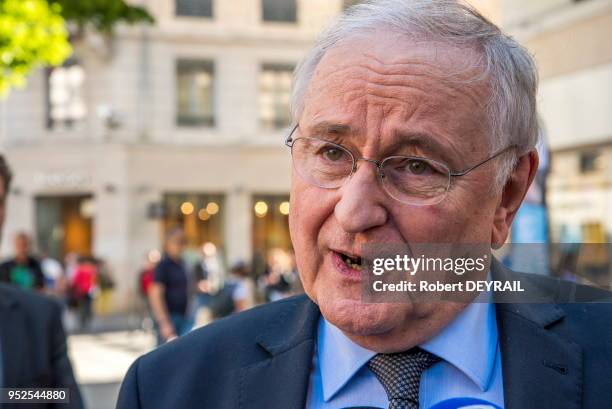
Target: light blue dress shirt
(470,366)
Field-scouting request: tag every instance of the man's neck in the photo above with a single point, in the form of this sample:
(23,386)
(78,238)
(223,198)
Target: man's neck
(175,258)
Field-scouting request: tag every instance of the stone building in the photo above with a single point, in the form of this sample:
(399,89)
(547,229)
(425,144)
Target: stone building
(179,123)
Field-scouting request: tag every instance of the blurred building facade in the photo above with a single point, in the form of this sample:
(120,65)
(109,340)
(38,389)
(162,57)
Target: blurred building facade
(179,123)
(183,122)
(571,44)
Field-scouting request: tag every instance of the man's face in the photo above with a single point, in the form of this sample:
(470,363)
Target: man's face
(22,246)
(175,245)
(389,92)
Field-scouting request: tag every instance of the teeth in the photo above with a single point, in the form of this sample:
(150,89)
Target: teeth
(354,263)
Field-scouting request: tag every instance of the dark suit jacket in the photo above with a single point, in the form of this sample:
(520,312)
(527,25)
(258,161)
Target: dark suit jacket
(554,355)
(33,343)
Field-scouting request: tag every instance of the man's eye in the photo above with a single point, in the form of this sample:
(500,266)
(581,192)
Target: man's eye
(333,154)
(418,167)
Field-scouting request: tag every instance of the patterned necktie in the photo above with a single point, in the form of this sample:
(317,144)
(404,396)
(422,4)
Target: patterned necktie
(400,375)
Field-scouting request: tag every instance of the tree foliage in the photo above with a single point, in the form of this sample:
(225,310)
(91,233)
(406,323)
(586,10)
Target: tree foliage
(32,34)
(102,15)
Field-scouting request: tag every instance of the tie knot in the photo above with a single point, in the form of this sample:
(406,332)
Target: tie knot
(400,374)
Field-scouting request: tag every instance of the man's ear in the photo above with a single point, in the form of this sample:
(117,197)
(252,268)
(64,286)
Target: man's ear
(512,196)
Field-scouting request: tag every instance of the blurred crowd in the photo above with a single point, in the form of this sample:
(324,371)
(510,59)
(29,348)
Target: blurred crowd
(180,290)
(77,281)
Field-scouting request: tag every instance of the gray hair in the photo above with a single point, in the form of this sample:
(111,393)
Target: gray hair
(508,66)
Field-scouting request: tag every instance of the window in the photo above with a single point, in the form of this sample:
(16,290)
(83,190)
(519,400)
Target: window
(274,94)
(65,103)
(590,161)
(593,232)
(195,93)
(349,3)
(194,8)
(284,11)
(64,224)
(200,215)
(271,240)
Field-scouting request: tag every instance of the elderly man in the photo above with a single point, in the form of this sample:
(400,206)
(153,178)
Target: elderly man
(415,122)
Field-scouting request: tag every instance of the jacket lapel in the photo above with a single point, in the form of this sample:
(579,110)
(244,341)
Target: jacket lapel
(12,337)
(281,380)
(539,366)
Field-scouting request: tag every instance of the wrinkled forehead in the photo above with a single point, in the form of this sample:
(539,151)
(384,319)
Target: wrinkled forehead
(409,82)
(389,53)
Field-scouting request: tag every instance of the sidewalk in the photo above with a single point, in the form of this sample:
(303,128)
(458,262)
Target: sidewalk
(100,324)
(100,361)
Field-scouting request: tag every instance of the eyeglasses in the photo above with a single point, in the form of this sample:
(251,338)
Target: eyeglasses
(411,180)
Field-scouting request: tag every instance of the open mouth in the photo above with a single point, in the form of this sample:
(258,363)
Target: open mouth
(356,263)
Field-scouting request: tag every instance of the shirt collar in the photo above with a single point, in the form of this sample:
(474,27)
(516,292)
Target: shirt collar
(339,358)
(469,343)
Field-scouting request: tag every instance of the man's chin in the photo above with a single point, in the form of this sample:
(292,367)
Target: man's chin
(360,319)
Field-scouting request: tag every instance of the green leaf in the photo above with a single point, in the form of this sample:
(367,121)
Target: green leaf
(32,34)
(102,15)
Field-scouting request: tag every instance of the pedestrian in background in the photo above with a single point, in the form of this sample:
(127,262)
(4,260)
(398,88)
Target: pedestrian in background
(205,287)
(145,280)
(23,270)
(168,293)
(53,271)
(84,289)
(278,275)
(243,293)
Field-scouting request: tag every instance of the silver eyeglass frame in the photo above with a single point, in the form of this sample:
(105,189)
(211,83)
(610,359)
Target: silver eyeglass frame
(289,141)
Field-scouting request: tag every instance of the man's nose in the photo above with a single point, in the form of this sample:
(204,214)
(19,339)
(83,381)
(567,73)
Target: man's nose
(361,204)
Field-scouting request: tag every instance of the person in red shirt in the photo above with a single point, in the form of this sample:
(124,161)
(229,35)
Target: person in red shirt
(146,278)
(84,285)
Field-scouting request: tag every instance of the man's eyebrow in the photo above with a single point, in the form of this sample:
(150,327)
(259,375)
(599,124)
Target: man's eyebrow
(327,127)
(403,138)
(429,143)
(421,139)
